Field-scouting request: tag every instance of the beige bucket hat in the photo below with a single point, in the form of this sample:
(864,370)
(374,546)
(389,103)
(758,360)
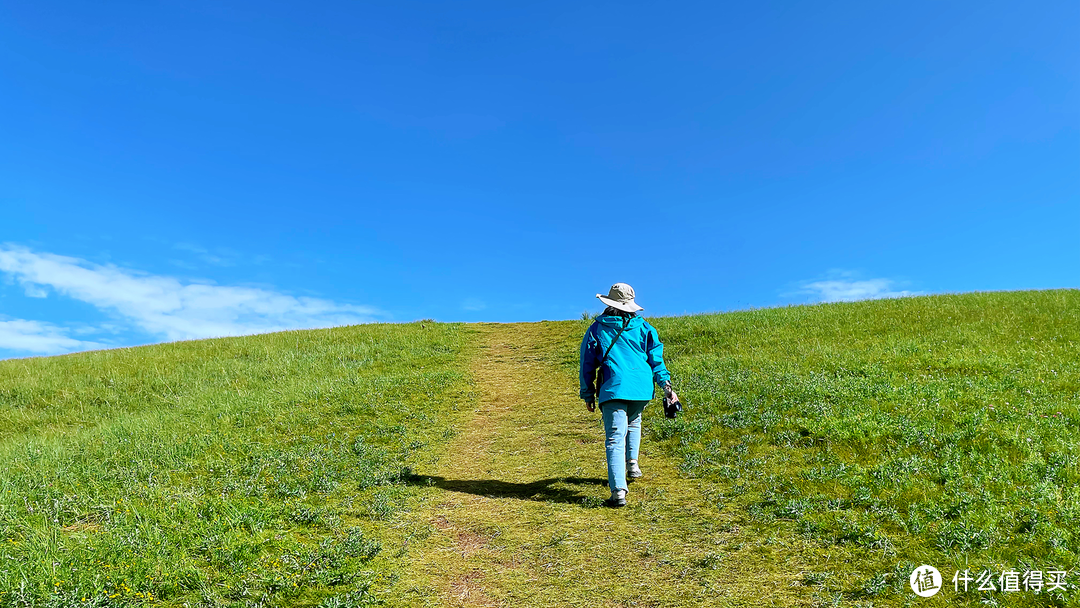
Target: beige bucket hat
(621,296)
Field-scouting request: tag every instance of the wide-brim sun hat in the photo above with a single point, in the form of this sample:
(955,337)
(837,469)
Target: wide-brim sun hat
(621,297)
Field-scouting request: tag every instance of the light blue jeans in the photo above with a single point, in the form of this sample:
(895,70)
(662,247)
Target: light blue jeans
(622,426)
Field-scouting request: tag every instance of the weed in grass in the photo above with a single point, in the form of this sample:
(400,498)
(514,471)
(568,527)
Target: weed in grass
(873,586)
(356,544)
(710,561)
(592,502)
(816,578)
(359,598)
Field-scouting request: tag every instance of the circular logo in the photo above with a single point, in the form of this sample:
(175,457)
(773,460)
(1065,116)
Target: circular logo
(925,581)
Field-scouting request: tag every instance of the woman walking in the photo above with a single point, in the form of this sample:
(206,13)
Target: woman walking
(630,357)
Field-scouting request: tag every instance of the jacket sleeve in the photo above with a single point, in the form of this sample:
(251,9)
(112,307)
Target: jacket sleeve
(589,363)
(654,353)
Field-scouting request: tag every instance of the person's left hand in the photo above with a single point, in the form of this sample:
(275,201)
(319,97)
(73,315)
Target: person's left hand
(669,394)
(590,405)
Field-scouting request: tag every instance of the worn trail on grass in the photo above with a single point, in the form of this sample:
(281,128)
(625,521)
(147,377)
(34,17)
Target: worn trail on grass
(513,517)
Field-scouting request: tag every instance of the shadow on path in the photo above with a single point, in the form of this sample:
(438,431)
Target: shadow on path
(542,490)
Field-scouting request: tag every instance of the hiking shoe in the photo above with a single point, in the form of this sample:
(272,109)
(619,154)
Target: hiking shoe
(618,499)
(632,470)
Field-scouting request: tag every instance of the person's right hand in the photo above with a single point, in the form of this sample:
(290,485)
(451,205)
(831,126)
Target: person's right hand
(590,405)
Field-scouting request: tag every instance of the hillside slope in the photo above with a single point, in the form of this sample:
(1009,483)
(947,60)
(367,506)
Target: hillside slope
(827,450)
(219,472)
(882,435)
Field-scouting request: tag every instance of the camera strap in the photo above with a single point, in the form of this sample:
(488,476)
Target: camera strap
(625,324)
(600,368)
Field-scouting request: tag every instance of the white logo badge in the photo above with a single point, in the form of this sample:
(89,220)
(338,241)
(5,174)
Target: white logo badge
(925,581)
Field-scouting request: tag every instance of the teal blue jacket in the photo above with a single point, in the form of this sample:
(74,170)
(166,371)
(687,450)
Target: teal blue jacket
(635,363)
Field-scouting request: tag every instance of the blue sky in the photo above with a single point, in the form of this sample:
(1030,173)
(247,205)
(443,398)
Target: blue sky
(175,170)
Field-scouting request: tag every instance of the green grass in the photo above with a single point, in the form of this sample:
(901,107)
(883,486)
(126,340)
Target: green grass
(219,472)
(841,445)
(942,430)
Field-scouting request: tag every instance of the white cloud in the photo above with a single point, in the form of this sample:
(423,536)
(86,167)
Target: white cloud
(39,338)
(844,288)
(175,310)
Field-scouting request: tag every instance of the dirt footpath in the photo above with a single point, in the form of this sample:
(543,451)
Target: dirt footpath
(513,515)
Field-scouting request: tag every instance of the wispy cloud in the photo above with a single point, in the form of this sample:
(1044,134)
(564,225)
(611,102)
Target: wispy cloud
(843,286)
(473,304)
(39,338)
(222,257)
(33,291)
(172,309)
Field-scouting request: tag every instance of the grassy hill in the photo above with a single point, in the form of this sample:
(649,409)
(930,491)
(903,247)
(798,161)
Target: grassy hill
(216,471)
(888,434)
(845,444)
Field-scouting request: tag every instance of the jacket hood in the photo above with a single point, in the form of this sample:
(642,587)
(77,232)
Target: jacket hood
(615,321)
